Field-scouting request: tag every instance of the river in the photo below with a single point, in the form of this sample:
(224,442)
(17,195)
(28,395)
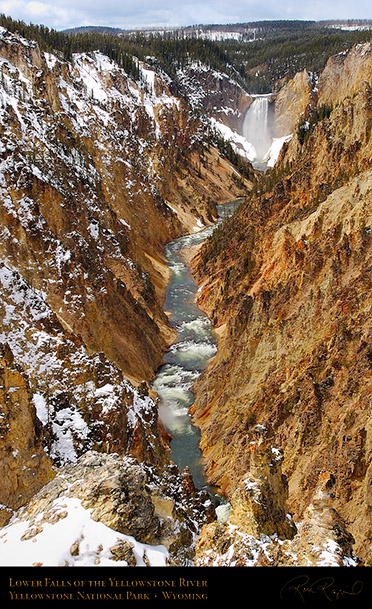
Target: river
(195,345)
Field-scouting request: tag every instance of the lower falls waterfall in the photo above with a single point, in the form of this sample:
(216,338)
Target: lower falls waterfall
(257,129)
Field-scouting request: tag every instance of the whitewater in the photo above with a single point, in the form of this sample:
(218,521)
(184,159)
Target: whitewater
(186,359)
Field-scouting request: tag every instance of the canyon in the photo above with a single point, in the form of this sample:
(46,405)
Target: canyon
(100,171)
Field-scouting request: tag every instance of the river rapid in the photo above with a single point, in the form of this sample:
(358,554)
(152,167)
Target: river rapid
(195,345)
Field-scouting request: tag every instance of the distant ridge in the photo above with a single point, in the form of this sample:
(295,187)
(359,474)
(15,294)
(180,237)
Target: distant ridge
(244,27)
(93,28)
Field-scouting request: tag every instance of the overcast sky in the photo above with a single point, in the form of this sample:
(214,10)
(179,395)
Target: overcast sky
(60,14)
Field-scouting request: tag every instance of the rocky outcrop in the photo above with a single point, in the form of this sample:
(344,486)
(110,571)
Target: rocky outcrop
(285,282)
(259,531)
(322,538)
(259,504)
(108,510)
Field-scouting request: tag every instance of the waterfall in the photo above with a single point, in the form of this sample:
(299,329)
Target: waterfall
(256,127)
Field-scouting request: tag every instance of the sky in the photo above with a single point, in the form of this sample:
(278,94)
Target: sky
(61,14)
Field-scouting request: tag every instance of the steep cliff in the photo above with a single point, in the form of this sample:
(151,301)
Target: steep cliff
(291,102)
(286,283)
(214,95)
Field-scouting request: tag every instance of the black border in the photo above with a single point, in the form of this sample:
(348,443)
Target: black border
(281,586)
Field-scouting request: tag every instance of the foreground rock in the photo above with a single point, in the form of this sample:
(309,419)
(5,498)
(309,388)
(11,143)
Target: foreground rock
(106,510)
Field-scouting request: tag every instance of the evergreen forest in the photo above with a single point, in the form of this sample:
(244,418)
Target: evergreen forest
(260,64)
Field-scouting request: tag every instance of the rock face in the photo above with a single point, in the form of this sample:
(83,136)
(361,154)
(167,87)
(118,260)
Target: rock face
(260,532)
(107,510)
(285,282)
(21,440)
(345,73)
(291,102)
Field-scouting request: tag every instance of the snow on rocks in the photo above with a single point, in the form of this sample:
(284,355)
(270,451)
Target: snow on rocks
(105,510)
(78,541)
(320,539)
(67,382)
(273,153)
(87,528)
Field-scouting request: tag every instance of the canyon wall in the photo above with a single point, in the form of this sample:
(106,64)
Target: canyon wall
(291,102)
(98,173)
(286,284)
(214,95)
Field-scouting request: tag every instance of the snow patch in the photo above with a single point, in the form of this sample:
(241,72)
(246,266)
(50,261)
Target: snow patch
(239,143)
(74,525)
(272,154)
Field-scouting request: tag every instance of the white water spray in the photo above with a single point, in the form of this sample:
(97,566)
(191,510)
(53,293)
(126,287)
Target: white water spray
(256,127)
(186,359)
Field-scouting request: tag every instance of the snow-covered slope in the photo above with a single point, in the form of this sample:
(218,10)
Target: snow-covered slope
(96,541)
(97,173)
